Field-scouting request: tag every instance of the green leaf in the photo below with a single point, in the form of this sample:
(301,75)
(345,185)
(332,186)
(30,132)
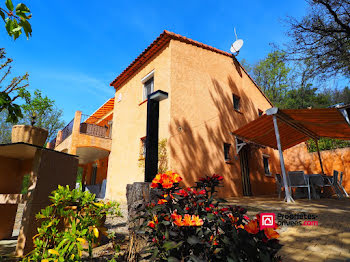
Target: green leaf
(9,26)
(169,245)
(27,28)
(173,259)
(2,14)
(9,5)
(192,240)
(22,8)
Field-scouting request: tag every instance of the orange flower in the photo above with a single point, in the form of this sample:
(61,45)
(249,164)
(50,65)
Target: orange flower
(162,201)
(187,220)
(151,224)
(175,177)
(178,220)
(196,221)
(270,233)
(212,239)
(233,218)
(166,180)
(252,227)
(154,185)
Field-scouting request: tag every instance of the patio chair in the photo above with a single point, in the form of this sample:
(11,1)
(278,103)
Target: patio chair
(334,183)
(279,184)
(340,184)
(299,179)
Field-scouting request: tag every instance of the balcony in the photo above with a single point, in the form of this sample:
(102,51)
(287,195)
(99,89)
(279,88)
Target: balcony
(83,135)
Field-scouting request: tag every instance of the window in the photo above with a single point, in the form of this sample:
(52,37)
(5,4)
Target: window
(260,112)
(227,151)
(147,88)
(236,102)
(266,165)
(148,84)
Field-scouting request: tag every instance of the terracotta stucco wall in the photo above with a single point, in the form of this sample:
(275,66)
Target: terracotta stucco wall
(129,125)
(298,158)
(202,117)
(102,166)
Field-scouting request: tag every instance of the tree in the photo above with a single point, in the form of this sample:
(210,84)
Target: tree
(5,128)
(10,90)
(271,74)
(323,37)
(46,114)
(16,19)
(305,97)
(337,96)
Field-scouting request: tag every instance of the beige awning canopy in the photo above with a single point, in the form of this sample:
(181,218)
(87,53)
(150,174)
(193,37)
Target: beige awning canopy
(296,126)
(282,129)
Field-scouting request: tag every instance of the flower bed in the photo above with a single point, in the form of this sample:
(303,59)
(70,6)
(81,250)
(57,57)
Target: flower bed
(190,224)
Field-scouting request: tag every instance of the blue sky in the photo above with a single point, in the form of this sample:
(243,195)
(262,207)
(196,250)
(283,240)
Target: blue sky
(79,47)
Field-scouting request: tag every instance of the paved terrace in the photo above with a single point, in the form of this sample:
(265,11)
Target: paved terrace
(329,241)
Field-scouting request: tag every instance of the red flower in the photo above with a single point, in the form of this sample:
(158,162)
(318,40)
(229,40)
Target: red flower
(224,209)
(183,193)
(202,192)
(187,208)
(207,209)
(218,177)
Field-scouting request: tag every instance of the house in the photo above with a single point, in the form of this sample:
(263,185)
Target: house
(210,95)
(89,137)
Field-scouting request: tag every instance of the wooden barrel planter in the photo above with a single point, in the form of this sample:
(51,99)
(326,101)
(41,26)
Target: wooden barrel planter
(138,194)
(29,134)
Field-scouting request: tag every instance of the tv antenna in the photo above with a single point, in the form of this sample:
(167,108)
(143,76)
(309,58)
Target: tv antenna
(237,45)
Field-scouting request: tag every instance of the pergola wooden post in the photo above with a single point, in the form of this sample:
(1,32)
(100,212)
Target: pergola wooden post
(319,155)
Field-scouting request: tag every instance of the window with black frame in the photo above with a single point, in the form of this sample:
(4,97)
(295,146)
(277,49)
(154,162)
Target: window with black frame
(227,151)
(266,165)
(148,87)
(236,102)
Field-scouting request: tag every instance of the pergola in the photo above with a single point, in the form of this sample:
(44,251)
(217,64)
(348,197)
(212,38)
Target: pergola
(282,129)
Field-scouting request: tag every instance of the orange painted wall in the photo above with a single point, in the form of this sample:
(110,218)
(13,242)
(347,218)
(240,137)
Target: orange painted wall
(129,124)
(298,158)
(202,117)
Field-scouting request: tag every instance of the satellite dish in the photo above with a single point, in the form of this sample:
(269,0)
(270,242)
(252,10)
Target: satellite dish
(237,45)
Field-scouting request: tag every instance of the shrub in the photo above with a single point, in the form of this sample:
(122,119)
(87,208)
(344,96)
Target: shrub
(189,224)
(71,225)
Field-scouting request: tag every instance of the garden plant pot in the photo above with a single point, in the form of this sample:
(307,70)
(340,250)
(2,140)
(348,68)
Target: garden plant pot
(29,134)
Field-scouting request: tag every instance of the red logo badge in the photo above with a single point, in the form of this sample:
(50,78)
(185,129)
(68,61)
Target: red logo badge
(267,220)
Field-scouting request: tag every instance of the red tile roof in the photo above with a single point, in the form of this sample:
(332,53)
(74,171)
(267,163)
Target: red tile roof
(163,39)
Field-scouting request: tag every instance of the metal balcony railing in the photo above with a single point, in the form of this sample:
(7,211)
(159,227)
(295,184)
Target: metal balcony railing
(93,130)
(67,131)
(87,127)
